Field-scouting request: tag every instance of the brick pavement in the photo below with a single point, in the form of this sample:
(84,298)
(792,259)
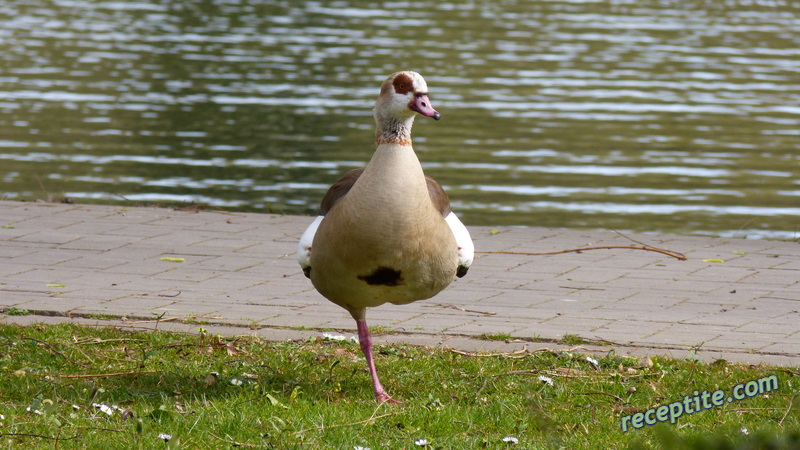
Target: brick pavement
(103,265)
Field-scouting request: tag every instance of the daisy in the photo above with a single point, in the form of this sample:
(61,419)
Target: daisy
(593,362)
(421,442)
(332,337)
(236,382)
(166,437)
(546,380)
(510,440)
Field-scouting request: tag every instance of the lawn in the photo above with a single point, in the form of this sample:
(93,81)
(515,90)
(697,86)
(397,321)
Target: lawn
(66,386)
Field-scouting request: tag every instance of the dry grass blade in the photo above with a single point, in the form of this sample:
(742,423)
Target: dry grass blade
(788,410)
(168,319)
(234,443)
(515,354)
(103,375)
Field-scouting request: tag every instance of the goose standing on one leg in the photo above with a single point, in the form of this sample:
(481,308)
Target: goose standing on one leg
(385,233)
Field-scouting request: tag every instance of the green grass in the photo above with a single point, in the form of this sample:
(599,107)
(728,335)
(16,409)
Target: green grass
(378,330)
(572,339)
(100,316)
(495,337)
(211,392)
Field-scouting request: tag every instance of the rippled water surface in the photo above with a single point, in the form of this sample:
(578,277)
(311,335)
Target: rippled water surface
(645,115)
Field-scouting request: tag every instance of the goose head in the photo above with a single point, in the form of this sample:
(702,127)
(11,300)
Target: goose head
(403,95)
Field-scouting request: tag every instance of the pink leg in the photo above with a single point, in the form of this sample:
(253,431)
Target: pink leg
(365,340)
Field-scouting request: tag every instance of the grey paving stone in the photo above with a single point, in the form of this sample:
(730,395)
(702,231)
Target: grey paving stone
(662,316)
(727,318)
(93,260)
(739,340)
(53,237)
(433,322)
(591,275)
(683,284)
(788,348)
(761,260)
(47,257)
(623,333)
(787,329)
(683,334)
(774,278)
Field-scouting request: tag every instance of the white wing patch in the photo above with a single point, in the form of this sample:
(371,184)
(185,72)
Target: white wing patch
(466,249)
(304,246)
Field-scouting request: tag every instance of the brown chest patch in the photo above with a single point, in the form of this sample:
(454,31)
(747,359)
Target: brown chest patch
(384,276)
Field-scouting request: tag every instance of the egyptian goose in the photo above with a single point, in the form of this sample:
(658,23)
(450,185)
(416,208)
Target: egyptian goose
(386,233)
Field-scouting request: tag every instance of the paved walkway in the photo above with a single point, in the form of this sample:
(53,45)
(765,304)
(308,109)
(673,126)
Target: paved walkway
(105,264)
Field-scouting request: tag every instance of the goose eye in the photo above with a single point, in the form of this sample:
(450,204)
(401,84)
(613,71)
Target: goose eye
(403,84)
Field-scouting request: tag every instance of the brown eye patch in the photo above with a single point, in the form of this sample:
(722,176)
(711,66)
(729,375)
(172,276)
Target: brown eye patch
(403,84)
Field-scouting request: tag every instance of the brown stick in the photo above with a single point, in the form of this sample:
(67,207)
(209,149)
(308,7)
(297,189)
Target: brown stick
(38,436)
(103,341)
(679,256)
(100,375)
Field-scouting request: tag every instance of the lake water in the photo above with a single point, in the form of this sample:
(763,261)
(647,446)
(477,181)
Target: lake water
(639,115)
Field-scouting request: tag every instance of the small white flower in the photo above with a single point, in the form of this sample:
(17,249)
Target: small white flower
(332,337)
(106,409)
(745,431)
(546,380)
(421,442)
(166,437)
(236,382)
(358,447)
(2,417)
(76,407)
(214,374)
(593,362)
(510,440)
